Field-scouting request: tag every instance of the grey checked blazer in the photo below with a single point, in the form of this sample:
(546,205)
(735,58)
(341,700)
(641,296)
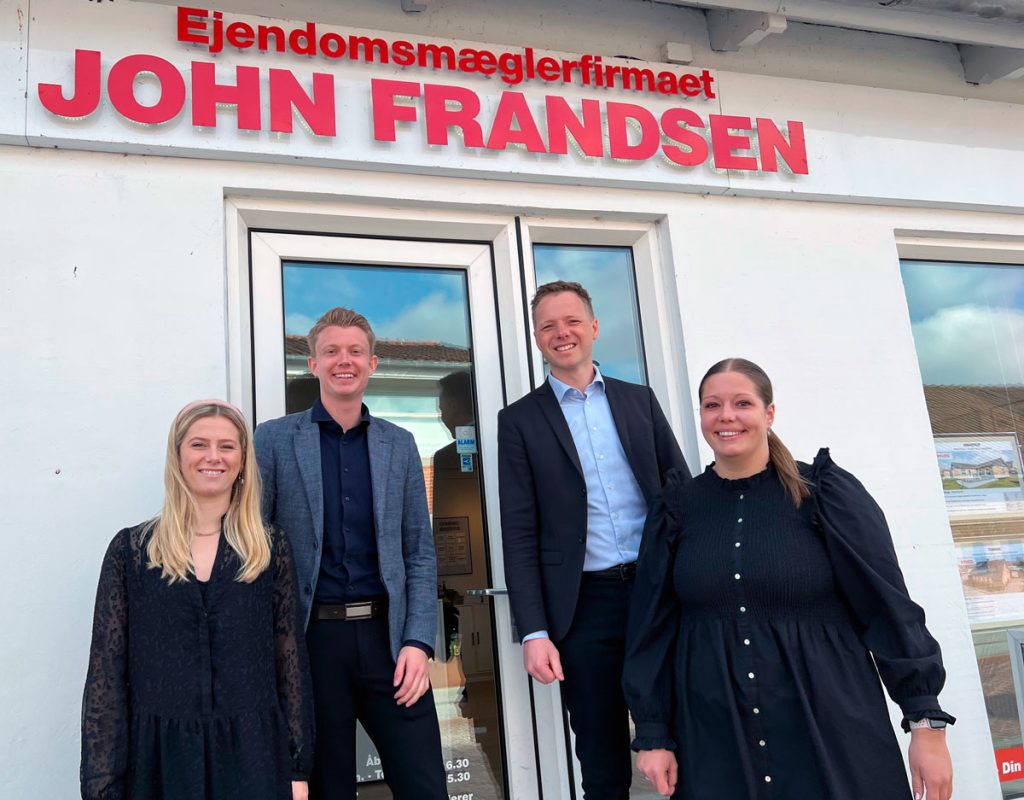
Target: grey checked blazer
(288,453)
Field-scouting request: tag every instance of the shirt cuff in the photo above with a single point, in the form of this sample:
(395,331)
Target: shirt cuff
(535,635)
(426,648)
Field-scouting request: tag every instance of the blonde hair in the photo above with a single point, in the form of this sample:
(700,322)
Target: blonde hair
(342,318)
(170,534)
(789,473)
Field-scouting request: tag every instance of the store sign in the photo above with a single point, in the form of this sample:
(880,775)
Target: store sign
(1010,762)
(150,90)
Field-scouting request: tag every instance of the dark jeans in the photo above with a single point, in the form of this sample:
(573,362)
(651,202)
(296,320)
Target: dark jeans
(592,653)
(352,679)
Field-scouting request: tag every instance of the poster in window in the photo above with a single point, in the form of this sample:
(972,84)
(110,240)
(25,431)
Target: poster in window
(454,551)
(992,574)
(981,474)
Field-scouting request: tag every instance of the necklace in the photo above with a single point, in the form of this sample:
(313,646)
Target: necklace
(211,533)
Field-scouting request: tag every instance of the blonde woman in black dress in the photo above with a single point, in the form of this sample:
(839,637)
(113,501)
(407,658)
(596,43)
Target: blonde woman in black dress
(198,684)
(767,593)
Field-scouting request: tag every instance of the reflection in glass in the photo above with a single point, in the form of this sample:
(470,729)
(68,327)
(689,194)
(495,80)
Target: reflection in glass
(968,327)
(607,273)
(424,383)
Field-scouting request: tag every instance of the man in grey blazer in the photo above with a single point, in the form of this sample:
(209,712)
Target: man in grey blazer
(347,488)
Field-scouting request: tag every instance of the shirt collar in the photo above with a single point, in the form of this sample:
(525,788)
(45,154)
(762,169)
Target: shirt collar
(561,389)
(319,414)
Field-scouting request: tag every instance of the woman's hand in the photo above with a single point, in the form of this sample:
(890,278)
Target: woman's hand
(661,769)
(931,770)
(300,790)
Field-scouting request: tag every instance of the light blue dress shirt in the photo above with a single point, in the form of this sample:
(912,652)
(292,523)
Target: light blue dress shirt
(616,509)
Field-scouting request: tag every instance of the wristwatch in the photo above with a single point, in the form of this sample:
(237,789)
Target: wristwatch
(934,724)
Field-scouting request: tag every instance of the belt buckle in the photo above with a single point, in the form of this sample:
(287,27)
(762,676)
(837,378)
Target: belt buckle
(359,610)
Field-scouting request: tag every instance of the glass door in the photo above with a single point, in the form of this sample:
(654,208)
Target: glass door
(431,305)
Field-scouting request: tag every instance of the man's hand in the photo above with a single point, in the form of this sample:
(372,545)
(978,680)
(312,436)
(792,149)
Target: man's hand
(411,677)
(660,768)
(931,769)
(541,659)
(300,790)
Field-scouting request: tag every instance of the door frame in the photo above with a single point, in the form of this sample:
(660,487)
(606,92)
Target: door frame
(538,745)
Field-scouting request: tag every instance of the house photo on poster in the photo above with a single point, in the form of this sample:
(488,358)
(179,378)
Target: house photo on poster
(992,573)
(981,474)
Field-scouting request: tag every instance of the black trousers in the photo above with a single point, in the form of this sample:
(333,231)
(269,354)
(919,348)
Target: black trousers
(593,653)
(353,672)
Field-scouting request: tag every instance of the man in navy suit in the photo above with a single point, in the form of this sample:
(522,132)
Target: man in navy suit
(579,459)
(347,488)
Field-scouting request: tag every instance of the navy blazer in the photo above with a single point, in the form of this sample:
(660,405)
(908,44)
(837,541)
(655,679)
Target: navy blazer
(288,452)
(544,495)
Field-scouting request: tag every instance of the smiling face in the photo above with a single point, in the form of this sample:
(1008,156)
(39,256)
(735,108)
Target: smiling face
(565,333)
(735,421)
(343,363)
(210,456)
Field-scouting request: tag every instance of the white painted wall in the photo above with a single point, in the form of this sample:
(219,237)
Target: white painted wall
(116,271)
(13,63)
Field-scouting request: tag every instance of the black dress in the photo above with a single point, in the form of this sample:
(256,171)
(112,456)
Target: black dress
(752,632)
(194,700)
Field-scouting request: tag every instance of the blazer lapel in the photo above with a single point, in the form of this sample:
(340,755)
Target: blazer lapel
(621,417)
(549,405)
(307,455)
(379,442)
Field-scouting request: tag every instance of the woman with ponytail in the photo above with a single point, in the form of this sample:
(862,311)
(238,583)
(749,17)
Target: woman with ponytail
(198,684)
(768,602)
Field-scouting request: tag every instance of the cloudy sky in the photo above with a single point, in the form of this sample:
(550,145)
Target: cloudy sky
(968,322)
(428,305)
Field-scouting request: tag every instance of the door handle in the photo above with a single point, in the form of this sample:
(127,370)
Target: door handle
(490,591)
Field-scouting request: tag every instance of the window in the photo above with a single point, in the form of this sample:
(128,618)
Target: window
(968,326)
(608,275)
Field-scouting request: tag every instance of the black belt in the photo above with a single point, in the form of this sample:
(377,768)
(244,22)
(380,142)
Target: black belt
(365,609)
(622,572)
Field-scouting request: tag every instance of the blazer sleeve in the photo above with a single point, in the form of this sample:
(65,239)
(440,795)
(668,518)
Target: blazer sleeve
(670,457)
(519,528)
(892,626)
(418,554)
(263,444)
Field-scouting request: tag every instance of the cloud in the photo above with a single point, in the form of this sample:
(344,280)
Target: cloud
(298,324)
(434,317)
(971,345)
(932,287)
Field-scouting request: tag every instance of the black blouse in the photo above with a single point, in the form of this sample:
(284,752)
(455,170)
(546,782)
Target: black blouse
(755,633)
(195,700)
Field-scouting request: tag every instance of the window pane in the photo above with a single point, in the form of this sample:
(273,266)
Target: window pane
(607,273)
(968,325)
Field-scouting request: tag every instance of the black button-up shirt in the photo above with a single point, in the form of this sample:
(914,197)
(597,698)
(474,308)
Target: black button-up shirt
(349,568)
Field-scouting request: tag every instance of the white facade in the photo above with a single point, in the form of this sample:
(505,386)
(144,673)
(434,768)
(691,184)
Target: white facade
(125,284)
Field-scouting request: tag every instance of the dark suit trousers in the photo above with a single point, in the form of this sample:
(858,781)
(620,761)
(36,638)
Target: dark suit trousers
(353,672)
(592,653)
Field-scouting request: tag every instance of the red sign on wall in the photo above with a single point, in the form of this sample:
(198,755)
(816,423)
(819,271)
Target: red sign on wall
(1010,762)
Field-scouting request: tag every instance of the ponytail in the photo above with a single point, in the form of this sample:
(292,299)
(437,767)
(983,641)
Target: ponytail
(785,465)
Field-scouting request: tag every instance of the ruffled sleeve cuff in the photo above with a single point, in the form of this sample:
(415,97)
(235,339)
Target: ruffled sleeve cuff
(652,736)
(923,707)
